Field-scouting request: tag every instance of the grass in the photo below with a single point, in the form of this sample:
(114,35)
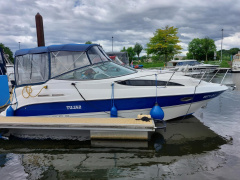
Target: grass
(223,64)
(151,65)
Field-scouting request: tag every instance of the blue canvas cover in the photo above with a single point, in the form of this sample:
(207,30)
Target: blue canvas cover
(4,91)
(52,48)
(21,52)
(70,47)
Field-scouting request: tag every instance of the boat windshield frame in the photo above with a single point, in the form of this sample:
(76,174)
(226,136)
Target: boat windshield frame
(48,65)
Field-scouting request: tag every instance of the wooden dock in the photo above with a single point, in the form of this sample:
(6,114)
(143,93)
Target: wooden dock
(100,128)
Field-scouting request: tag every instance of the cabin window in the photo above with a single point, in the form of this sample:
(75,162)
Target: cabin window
(32,68)
(148,83)
(64,61)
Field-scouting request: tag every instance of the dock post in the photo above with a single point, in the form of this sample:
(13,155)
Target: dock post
(39,29)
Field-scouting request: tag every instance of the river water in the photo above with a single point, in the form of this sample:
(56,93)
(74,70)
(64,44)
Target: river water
(205,145)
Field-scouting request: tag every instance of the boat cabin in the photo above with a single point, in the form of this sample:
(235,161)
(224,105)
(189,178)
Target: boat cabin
(237,56)
(174,63)
(65,62)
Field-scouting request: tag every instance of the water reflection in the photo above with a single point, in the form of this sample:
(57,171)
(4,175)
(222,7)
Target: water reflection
(107,159)
(189,136)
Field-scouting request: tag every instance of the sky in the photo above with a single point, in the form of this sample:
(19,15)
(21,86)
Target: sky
(127,21)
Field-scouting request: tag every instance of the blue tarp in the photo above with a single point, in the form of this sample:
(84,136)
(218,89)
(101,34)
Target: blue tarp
(4,91)
(52,48)
(21,52)
(70,47)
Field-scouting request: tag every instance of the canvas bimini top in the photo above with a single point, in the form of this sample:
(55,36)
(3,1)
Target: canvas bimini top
(65,62)
(53,48)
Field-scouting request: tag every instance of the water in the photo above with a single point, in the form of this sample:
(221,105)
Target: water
(203,146)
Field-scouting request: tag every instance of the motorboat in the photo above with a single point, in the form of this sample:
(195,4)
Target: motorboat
(236,63)
(80,80)
(190,66)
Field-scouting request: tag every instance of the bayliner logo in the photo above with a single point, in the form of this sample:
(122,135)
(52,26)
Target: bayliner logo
(74,107)
(209,96)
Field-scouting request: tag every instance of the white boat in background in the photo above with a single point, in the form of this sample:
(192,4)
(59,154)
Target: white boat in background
(190,66)
(236,63)
(80,80)
(116,60)
(122,56)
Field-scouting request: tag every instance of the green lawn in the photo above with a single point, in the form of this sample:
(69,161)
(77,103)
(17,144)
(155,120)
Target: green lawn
(150,65)
(224,64)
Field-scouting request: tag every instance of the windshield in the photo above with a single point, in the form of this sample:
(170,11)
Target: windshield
(99,71)
(96,56)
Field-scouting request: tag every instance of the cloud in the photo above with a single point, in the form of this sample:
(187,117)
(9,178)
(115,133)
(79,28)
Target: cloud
(128,21)
(229,42)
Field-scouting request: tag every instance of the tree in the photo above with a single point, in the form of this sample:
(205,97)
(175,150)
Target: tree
(88,42)
(131,53)
(164,42)
(200,49)
(234,51)
(137,49)
(124,49)
(226,54)
(194,49)
(7,51)
(208,46)
(144,58)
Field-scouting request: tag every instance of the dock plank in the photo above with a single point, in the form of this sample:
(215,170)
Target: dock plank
(76,123)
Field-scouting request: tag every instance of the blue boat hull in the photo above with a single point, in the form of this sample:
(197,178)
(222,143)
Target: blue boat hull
(78,107)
